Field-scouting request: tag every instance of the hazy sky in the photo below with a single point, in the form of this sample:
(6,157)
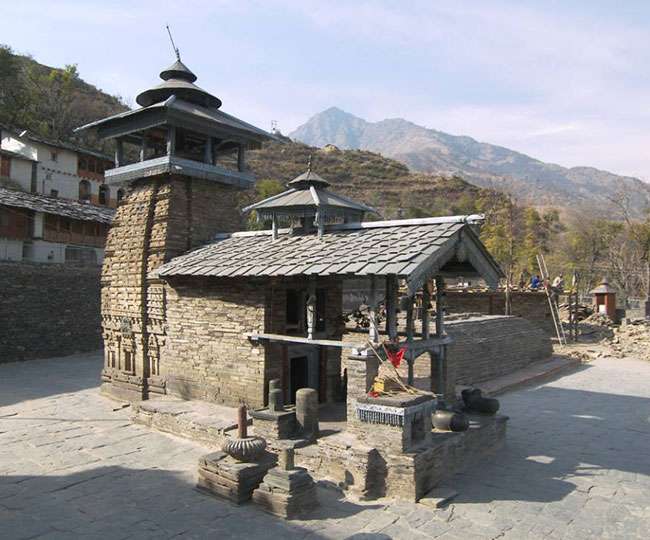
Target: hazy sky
(566,82)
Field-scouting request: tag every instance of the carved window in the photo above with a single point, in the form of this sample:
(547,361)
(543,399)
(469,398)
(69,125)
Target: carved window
(128,361)
(120,195)
(104,195)
(84,190)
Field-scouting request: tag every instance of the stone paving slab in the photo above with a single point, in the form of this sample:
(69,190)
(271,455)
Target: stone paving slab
(72,465)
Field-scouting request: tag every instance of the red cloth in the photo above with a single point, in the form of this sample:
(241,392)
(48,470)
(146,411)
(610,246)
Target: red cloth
(396,357)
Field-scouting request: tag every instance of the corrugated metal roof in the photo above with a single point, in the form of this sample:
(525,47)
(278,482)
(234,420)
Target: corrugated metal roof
(401,249)
(59,207)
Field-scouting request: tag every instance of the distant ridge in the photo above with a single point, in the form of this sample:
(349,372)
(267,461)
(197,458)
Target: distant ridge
(427,150)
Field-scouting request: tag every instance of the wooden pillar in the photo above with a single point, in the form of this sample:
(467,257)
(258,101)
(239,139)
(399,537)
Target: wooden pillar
(119,152)
(440,366)
(274,227)
(143,147)
(311,309)
(426,301)
(208,156)
(241,158)
(171,140)
(372,311)
(409,339)
(391,306)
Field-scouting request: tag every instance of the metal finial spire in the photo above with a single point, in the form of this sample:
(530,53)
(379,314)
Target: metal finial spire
(176,51)
(309,164)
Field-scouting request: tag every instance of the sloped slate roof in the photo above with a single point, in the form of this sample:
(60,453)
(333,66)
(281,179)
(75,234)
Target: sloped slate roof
(59,207)
(205,114)
(404,249)
(304,197)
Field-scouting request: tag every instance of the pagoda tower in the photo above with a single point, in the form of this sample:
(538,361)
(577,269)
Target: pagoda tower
(183,160)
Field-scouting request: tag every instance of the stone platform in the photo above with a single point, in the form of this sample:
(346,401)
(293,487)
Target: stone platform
(368,473)
(206,423)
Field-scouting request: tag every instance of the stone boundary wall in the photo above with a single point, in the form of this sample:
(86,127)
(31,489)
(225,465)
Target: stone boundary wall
(529,305)
(488,347)
(484,347)
(48,310)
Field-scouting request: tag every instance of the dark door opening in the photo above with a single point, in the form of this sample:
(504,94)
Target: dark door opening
(299,371)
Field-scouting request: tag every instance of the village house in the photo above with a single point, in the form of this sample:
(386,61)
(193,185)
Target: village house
(54,204)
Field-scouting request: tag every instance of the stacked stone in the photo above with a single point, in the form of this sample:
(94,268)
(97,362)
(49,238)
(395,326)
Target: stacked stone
(287,491)
(222,475)
(234,473)
(161,218)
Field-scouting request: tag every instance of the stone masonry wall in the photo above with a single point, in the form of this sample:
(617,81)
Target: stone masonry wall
(48,310)
(526,304)
(488,347)
(206,355)
(160,218)
(484,347)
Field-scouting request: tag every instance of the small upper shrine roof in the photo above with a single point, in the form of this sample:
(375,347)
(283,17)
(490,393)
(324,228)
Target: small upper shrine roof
(306,196)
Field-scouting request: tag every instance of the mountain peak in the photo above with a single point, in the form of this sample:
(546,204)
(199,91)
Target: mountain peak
(486,165)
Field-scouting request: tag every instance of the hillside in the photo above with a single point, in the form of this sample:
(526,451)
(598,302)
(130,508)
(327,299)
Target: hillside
(383,183)
(51,101)
(427,150)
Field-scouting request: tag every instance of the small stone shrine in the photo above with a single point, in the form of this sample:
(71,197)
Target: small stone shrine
(236,471)
(287,491)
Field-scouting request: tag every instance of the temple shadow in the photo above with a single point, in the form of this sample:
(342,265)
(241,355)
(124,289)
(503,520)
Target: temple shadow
(561,440)
(35,379)
(116,502)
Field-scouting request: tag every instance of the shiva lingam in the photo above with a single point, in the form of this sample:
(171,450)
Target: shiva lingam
(475,401)
(244,448)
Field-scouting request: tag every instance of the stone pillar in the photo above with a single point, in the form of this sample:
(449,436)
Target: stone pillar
(307,412)
(361,372)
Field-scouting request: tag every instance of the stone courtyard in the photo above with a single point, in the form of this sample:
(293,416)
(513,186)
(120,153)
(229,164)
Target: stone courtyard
(72,465)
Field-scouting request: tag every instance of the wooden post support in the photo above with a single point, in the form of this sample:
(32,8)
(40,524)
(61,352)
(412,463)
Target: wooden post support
(426,301)
(171,140)
(311,309)
(391,306)
(208,156)
(119,152)
(409,339)
(143,147)
(241,158)
(274,227)
(372,311)
(441,357)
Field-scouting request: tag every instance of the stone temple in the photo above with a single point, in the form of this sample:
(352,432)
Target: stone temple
(195,309)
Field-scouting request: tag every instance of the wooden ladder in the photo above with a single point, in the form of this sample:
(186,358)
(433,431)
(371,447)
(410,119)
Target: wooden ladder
(555,310)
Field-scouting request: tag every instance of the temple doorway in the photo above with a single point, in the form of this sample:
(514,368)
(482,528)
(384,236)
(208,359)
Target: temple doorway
(303,369)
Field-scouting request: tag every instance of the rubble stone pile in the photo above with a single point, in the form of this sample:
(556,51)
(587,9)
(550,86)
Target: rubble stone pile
(597,327)
(632,339)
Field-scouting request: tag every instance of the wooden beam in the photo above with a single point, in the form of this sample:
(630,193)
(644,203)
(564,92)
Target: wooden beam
(296,339)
